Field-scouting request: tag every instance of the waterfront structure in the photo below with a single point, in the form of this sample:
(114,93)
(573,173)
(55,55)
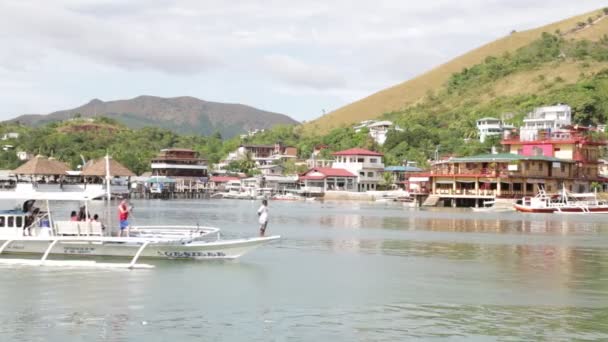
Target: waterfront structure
(324,179)
(549,118)
(378,130)
(491,127)
(400,173)
(220,182)
(179,162)
(504,175)
(365,164)
(570,143)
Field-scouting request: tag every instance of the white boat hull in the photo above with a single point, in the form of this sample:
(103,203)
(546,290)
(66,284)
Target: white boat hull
(196,250)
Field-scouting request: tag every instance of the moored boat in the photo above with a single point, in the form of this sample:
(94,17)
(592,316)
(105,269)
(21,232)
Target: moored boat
(562,203)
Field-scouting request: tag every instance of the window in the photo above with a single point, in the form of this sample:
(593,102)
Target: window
(1,221)
(563,167)
(19,221)
(540,166)
(373,160)
(362,173)
(360,160)
(11,221)
(370,174)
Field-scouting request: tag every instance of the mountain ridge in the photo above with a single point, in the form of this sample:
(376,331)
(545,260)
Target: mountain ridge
(182,114)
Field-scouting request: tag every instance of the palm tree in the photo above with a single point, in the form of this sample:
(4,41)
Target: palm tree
(387,180)
(247,162)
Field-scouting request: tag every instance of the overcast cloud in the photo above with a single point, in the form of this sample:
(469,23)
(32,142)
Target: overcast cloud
(293,57)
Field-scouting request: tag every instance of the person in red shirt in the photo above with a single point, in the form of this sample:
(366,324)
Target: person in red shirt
(123,216)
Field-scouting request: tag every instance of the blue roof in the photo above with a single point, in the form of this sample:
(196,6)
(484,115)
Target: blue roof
(12,212)
(402,169)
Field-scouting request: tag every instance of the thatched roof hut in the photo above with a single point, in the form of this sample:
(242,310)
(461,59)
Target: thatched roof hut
(97,167)
(43,166)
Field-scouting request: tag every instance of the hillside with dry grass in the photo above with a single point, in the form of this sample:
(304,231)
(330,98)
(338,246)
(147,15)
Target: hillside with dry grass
(589,26)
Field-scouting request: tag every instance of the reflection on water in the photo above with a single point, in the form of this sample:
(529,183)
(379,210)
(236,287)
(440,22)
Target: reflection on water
(343,271)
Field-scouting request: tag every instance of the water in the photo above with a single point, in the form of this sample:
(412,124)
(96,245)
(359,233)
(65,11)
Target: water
(342,272)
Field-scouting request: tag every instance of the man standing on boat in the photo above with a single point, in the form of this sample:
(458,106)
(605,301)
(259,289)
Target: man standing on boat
(263,216)
(123,216)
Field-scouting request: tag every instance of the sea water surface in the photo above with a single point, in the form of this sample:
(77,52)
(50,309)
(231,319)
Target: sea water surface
(343,271)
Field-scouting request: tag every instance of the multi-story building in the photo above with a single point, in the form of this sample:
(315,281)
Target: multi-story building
(550,118)
(491,127)
(179,162)
(504,175)
(568,143)
(366,165)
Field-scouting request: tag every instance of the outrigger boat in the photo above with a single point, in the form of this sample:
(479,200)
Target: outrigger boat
(34,232)
(563,203)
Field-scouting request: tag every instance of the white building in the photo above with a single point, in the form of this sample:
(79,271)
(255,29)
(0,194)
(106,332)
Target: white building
(491,127)
(378,130)
(271,170)
(22,155)
(551,118)
(11,135)
(366,165)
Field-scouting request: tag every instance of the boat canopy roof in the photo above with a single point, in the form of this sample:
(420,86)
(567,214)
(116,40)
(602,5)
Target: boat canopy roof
(51,195)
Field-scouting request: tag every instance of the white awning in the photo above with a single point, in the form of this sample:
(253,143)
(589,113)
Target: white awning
(51,196)
(418,179)
(465,181)
(444,182)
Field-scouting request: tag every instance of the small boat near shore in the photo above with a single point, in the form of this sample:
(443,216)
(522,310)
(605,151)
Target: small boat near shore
(35,232)
(493,207)
(562,203)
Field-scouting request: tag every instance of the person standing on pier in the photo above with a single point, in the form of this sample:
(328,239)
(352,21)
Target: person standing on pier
(263,217)
(123,216)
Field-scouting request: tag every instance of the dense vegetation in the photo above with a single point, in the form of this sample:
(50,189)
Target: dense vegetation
(73,140)
(443,123)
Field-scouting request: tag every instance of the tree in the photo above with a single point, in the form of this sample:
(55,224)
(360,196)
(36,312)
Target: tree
(387,180)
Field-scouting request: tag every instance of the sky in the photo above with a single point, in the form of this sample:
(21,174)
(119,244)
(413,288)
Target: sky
(300,58)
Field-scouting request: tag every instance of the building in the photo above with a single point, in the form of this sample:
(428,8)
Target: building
(491,127)
(569,143)
(550,118)
(400,173)
(220,182)
(179,162)
(366,165)
(271,170)
(378,130)
(262,154)
(250,133)
(505,175)
(323,179)
(11,135)
(23,156)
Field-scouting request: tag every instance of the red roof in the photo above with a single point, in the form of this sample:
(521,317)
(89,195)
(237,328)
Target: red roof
(223,179)
(357,152)
(327,172)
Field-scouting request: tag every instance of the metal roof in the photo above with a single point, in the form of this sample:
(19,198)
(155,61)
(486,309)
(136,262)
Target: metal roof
(504,157)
